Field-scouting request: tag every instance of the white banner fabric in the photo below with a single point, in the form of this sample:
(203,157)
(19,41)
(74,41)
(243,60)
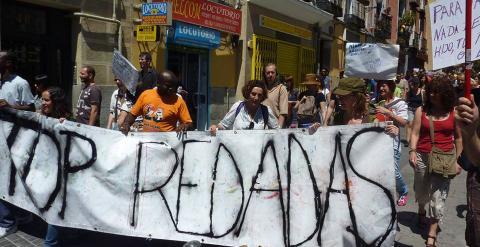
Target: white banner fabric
(371,61)
(447,21)
(268,188)
(125,71)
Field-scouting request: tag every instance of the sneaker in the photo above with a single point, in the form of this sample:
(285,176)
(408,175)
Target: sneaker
(7,231)
(402,201)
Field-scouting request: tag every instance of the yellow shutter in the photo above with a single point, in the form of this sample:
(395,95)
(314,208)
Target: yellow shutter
(288,59)
(264,51)
(291,59)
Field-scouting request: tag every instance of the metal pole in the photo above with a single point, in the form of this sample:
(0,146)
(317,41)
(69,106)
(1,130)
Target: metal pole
(468,46)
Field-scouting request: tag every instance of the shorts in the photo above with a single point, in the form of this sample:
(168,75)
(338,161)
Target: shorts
(430,188)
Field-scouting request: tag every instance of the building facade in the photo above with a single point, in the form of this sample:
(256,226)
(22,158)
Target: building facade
(58,37)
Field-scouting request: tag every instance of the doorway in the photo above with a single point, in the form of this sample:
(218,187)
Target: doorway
(190,65)
(41,39)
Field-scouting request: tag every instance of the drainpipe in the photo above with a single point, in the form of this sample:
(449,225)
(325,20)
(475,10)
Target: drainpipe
(112,20)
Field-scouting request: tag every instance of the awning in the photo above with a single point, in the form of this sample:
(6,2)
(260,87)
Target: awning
(296,9)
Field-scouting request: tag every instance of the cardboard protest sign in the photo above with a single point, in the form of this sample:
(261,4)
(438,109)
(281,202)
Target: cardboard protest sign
(447,20)
(371,61)
(268,188)
(125,71)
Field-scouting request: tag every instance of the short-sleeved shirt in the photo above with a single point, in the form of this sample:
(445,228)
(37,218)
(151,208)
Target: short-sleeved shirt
(146,80)
(119,103)
(160,115)
(243,119)
(319,97)
(90,95)
(277,100)
(16,91)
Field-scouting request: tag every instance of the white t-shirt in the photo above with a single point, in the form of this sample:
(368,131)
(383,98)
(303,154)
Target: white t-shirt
(16,91)
(399,108)
(122,104)
(243,119)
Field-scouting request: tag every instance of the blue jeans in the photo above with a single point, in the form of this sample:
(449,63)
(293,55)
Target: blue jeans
(402,188)
(51,238)
(7,216)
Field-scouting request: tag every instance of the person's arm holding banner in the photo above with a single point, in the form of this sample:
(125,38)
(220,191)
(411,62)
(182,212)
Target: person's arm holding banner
(467,117)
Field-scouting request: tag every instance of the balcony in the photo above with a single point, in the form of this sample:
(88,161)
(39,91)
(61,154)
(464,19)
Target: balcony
(383,27)
(415,41)
(331,6)
(404,34)
(414,3)
(354,21)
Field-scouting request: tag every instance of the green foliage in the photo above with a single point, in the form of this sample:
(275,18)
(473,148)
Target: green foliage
(408,19)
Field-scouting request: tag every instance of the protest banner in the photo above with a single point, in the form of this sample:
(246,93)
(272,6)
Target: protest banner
(268,188)
(371,61)
(447,22)
(125,71)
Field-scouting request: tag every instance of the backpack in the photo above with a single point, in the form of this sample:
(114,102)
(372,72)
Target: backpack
(307,107)
(264,109)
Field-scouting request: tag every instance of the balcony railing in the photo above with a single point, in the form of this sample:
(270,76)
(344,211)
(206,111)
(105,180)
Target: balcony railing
(383,27)
(354,20)
(331,6)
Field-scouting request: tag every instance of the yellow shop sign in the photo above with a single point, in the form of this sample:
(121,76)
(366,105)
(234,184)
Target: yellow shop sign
(284,27)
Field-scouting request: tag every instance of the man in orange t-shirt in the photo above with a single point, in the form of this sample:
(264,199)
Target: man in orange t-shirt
(160,107)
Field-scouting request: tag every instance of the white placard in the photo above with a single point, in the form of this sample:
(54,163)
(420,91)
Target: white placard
(268,188)
(125,71)
(371,61)
(447,20)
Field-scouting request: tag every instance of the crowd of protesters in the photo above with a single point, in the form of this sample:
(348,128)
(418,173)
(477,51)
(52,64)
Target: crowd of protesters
(439,122)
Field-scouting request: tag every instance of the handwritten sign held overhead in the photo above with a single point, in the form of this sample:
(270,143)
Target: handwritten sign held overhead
(371,61)
(447,20)
(125,71)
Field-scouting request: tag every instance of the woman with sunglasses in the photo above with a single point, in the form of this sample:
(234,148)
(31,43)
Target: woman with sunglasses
(249,113)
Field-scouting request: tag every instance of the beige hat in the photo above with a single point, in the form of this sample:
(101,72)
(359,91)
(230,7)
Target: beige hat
(311,79)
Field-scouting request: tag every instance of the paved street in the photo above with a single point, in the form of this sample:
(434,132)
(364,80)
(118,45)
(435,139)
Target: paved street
(452,233)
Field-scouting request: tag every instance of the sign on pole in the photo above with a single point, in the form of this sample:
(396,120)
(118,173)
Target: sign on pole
(371,61)
(147,33)
(125,71)
(157,13)
(447,20)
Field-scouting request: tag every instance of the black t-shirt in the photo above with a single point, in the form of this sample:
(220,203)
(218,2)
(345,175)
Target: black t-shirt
(414,100)
(319,97)
(146,80)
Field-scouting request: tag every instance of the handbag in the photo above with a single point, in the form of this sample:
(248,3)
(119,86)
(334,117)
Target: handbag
(441,162)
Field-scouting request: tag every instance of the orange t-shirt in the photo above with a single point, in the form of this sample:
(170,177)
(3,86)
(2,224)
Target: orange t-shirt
(158,115)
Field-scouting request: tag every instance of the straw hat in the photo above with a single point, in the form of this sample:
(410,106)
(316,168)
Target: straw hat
(311,79)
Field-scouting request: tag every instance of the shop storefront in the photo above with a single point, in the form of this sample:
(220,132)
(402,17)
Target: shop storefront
(188,48)
(287,35)
(200,47)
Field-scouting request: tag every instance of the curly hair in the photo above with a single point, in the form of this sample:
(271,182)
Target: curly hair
(247,89)
(60,108)
(442,85)
(360,105)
